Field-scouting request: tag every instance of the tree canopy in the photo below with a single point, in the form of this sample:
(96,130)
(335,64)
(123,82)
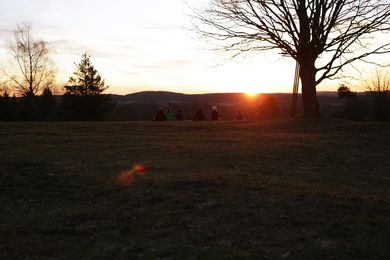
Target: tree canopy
(323,36)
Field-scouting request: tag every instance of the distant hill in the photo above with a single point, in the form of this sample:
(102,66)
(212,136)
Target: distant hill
(151,97)
(163,97)
(143,105)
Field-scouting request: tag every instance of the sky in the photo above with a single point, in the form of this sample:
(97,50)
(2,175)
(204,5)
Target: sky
(139,45)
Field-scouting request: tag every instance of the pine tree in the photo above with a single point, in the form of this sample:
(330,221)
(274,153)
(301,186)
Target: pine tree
(86,79)
(84,98)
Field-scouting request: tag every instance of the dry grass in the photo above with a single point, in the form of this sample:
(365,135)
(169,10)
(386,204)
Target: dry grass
(299,188)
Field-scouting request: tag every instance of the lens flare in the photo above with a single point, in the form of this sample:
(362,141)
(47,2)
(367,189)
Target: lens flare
(139,169)
(127,178)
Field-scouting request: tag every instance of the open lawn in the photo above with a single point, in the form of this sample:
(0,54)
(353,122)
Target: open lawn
(300,188)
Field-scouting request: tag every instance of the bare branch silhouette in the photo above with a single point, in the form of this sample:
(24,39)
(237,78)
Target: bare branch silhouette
(323,36)
(35,70)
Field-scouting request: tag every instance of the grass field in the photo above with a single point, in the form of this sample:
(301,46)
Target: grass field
(298,189)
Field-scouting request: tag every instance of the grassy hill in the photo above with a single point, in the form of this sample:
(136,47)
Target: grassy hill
(302,188)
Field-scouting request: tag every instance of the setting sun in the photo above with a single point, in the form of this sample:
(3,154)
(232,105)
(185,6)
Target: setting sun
(251,93)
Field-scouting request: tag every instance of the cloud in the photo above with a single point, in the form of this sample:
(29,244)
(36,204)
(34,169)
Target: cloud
(162,66)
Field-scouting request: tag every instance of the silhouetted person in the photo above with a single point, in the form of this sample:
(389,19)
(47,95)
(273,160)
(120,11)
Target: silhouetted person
(170,115)
(179,115)
(214,114)
(160,116)
(239,116)
(200,115)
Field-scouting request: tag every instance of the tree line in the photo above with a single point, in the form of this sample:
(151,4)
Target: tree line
(31,79)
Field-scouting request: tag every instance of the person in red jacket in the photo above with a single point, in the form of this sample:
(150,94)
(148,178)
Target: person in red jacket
(160,116)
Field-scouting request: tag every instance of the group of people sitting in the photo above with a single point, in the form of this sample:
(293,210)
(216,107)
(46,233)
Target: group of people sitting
(199,116)
(169,116)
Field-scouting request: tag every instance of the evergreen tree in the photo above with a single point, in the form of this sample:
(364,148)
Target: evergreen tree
(84,98)
(86,79)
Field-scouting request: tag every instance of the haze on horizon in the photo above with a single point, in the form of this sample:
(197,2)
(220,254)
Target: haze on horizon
(143,45)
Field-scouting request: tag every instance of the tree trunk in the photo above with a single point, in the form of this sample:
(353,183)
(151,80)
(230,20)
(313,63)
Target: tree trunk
(307,59)
(309,92)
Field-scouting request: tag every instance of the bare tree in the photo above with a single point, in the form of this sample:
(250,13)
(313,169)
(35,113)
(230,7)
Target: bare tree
(34,68)
(379,87)
(323,36)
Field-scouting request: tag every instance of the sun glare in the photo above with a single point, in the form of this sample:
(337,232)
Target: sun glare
(251,93)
